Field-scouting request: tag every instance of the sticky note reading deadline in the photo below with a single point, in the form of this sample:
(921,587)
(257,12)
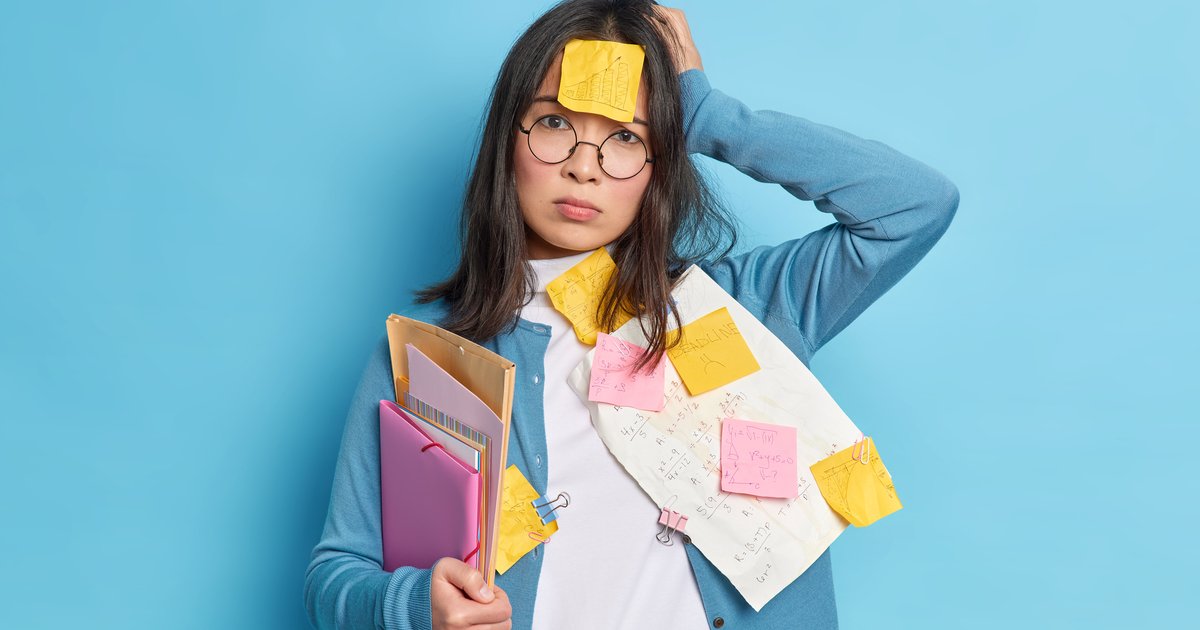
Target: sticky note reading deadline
(712,353)
(577,292)
(520,527)
(614,380)
(861,493)
(600,77)
(758,458)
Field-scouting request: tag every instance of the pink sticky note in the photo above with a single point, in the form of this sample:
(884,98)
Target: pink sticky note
(758,458)
(615,382)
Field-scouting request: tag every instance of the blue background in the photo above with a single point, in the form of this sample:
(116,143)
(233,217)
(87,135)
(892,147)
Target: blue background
(207,209)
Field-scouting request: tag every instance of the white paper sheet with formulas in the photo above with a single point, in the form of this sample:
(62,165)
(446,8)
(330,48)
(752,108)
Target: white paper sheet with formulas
(760,544)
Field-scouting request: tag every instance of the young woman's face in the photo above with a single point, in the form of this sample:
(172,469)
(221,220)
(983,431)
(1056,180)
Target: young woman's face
(574,206)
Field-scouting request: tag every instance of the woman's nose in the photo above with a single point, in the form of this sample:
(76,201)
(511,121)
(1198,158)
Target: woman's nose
(584,164)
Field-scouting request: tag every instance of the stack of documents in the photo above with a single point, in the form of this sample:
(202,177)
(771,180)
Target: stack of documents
(443,446)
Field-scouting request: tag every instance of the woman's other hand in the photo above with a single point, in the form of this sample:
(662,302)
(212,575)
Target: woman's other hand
(679,38)
(459,599)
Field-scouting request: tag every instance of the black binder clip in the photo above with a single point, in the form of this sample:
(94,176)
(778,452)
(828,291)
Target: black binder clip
(546,508)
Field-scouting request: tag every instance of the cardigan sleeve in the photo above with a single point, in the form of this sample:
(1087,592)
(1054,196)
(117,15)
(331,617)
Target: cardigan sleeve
(345,585)
(889,208)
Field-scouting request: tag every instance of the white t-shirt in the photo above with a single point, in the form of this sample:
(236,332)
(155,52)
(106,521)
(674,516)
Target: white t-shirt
(603,568)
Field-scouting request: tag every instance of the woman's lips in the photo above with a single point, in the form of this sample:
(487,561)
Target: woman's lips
(576,210)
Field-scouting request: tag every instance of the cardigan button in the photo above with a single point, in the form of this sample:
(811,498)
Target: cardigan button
(537,378)
(718,622)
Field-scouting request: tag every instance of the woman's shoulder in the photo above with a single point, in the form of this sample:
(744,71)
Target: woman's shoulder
(379,361)
(431,312)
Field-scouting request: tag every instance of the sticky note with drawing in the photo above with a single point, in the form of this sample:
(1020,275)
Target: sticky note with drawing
(856,484)
(712,353)
(614,381)
(576,294)
(520,527)
(600,77)
(758,458)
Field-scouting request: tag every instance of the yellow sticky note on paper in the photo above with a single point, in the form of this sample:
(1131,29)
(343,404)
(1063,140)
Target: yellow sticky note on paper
(576,294)
(712,353)
(861,493)
(601,77)
(520,527)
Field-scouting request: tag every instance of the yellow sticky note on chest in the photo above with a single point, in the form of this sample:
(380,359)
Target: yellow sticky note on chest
(601,77)
(861,492)
(712,353)
(520,527)
(576,294)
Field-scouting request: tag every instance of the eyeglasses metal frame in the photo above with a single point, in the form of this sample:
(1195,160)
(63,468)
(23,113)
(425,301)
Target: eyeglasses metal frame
(599,147)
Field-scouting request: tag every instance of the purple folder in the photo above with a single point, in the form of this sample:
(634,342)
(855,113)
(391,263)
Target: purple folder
(430,497)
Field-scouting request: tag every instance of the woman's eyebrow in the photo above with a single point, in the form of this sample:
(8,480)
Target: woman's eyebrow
(549,98)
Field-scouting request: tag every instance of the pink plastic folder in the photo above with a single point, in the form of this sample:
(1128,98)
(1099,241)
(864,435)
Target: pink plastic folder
(430,497)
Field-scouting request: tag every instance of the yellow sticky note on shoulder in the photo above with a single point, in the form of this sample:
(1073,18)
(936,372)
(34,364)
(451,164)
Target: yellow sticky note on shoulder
(577,292)
(712,353)
(520,527)
(861,492)
(600,77)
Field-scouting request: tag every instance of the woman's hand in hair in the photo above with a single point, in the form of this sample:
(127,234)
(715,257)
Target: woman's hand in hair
(679,38)
(459,598)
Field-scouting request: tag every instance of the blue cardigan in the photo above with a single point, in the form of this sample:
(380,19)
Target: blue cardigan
(890,210)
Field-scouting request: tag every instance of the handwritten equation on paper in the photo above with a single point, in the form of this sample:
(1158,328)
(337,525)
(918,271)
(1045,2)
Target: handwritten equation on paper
(758,458)
(760,544)
(616,382)
(754,537)
(577,292)
(712,353)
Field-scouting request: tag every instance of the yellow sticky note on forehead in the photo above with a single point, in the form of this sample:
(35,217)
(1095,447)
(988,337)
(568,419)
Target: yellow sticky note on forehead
(601,77)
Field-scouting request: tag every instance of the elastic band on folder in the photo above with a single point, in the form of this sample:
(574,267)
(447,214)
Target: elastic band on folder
(472,554)
(431,445)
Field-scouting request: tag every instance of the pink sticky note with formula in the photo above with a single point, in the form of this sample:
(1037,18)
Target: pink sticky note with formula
(614,380)
(758,458)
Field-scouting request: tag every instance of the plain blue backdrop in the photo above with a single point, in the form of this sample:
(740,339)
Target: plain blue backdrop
(207,210)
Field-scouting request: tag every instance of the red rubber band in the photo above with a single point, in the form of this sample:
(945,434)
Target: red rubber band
(472,554)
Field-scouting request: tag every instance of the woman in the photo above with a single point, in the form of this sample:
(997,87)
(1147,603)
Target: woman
(533,209)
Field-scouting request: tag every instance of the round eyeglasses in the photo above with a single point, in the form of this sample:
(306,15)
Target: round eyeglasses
(552,140)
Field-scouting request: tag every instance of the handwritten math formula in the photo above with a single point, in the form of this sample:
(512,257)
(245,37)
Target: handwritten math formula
(682,446)
(760,543)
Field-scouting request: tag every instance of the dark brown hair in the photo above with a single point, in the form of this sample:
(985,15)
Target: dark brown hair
(679,223)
